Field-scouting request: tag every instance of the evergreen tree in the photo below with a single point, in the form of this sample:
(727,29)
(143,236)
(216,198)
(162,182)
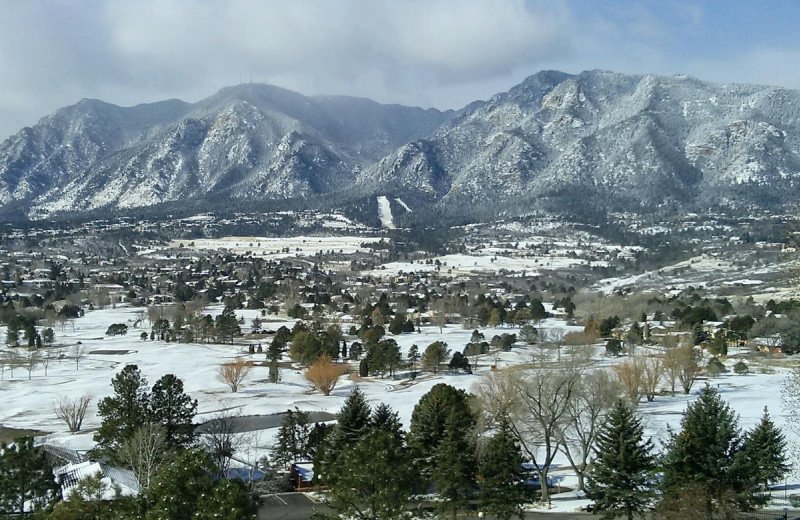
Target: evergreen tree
(370,479)
(186,488)
(705,456)
(455,467)
(293,436)
(429,419)
(123,412)
(385,419)
(622,480)
(25,477)
(353,419)
(764,450)
(226,325)
(174,410)
(502,486)
(459,362)
(229,499)
(413,358)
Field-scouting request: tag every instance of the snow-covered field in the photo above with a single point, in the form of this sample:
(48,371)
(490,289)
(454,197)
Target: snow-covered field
(28,403)
(465,264)
(274,247)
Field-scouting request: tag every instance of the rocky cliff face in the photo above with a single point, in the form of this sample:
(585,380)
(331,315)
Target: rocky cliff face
(621,142)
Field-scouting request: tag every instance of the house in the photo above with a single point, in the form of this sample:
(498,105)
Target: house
(301,475)
(71,474)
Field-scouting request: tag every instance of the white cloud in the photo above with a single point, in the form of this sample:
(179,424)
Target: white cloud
(420,52)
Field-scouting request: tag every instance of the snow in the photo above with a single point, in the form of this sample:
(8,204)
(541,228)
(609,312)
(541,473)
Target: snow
(465,264)
(271,247)
(400,201)
(28,403)
(385,212)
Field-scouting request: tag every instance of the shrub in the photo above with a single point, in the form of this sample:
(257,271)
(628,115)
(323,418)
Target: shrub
(324,375)
(741,368)
(117,329)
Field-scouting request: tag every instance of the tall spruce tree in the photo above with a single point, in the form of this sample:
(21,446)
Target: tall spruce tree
(122,413)
(455,467)
(705,457)
(764,450)
(293,437)
(502,486)
(173,409)
(353,419)
(369,476)
(27,482)
(622,480)
(428,424)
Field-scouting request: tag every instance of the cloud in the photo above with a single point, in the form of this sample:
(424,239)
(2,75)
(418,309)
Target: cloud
(417,52)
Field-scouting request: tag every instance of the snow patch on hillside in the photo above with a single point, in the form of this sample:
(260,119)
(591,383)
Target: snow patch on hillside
(385,212)
(405,206)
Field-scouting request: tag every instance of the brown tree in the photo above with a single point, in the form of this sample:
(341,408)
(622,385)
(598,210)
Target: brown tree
(595,395)
(234,373)
(653,368)
(323,374)
(631,374)
(536,407)
(688,360)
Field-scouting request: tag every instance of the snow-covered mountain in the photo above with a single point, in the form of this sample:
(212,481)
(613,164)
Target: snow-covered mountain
(251,142)
(554,142)
(620,142)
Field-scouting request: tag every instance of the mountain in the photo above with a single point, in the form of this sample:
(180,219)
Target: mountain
(617,142)
(251,142)
(582,144)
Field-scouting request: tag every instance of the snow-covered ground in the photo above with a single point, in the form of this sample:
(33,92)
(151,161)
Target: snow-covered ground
(28,403)
(385,212)
(464,264)
(273,247)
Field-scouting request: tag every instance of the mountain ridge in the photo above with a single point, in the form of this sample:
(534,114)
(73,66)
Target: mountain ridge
(555,142)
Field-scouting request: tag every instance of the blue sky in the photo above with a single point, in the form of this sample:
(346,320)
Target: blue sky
(440,53)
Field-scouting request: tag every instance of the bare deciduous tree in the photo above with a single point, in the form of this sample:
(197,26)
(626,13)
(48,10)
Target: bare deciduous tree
(324,375)
(30,360)
(218,437)
(630,374)
(689,366)
(596,393)
(671,357)
(144,452)
(79,353)
(71,411)
(651,375)
(536,405)
(234,372)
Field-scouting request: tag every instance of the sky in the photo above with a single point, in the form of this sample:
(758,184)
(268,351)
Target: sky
(429,53)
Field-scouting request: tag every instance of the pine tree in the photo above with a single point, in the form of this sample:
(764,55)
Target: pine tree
(353,419)
(455,467)
(370,479)
(383,418)
(174,410)
(429,419)
(622,478)
(123,412)
(764,450)
(292,442)
(502,485)
(185,488)
(705,456)
(25,477)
